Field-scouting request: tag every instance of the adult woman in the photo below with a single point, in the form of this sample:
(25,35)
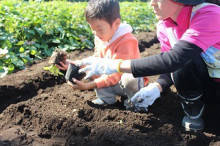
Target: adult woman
(189,33)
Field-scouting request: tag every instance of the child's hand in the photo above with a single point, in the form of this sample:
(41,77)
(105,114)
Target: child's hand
(80,85)
(62,66)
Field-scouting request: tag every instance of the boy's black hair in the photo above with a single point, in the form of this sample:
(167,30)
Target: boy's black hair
(108,10)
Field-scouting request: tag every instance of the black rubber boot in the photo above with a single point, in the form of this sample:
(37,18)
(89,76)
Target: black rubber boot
(193,108)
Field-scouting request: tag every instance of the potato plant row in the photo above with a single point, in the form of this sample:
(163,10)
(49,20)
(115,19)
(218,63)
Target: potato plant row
(32,30)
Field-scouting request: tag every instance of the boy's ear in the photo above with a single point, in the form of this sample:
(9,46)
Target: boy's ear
(118,21)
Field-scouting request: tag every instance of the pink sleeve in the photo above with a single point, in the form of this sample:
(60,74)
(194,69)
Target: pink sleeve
(162,37)
(204,29)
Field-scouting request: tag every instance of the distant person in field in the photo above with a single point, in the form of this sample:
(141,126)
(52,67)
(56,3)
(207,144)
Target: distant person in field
(189,34)
(113,40)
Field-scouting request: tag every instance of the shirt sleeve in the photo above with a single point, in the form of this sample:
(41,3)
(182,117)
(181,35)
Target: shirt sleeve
(204,29)
(165,81)
(165,62)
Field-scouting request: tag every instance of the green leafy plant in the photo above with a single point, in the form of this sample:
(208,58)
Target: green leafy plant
(53,69)
(32,30)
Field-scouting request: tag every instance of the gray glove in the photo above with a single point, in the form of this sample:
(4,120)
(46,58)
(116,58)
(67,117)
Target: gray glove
(98,66)
(145,97)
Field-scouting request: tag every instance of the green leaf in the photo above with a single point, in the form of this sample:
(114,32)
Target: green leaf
(25,60)
(56,41)
(37,45)
(59,29)
(44,45)
(40,31)
(33,52)
(72,48)
(20,43)
(73,43)
(11,68)
(7,59)
(88,44)
(19,63)
(7,44)
(2,69)
(21,50)
(48,52)
(31,31)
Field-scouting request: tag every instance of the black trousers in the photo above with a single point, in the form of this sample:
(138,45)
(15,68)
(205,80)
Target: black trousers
(193,80)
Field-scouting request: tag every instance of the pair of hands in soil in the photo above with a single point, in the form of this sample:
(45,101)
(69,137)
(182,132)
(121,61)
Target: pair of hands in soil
(79,85)
(141,100)
(97,66)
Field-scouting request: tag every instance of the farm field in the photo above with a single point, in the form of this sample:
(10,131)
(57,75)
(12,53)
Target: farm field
(33,30)
(37,108)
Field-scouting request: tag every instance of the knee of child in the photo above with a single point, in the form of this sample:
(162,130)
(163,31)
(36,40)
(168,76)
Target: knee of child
(129,82)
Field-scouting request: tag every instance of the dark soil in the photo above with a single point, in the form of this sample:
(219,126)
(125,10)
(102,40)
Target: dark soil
(37,108)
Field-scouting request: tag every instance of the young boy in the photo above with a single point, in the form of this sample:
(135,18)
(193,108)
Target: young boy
(113,40)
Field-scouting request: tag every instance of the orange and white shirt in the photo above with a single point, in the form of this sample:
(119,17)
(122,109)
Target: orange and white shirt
(123,45)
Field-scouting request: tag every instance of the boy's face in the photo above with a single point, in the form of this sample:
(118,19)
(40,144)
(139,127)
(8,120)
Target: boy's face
(104,30)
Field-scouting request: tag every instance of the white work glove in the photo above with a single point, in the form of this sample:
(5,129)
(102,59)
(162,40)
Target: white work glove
(97,66)
(145,97)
